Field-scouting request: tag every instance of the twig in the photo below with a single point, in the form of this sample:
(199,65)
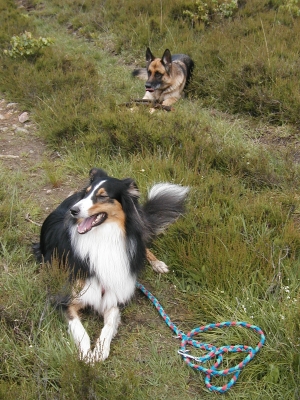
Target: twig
(28,219)
(146,102)
(8,156)
(266,42)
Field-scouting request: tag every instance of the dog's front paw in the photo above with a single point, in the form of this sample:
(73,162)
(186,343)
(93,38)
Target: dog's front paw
(159,266)
(86,356)
(101,351)
(91,357)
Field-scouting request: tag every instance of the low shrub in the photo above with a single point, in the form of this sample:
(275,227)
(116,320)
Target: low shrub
(25,45)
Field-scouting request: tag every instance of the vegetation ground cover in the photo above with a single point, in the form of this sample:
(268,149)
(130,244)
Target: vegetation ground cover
(233,140)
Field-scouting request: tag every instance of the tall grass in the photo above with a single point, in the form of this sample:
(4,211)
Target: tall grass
(234,256)
(245,63)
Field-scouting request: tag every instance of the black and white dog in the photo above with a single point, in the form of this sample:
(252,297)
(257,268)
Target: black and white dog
(101,234)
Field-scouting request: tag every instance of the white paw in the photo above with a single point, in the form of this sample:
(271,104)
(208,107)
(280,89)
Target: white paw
(101,351)
(159,266)
(80,337)
(86,356)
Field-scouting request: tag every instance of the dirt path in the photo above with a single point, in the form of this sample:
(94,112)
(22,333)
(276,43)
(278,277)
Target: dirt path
(22,150)
(19,145)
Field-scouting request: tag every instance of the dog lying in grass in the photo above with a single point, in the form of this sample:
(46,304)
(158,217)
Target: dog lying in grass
(165,77)
(101,234)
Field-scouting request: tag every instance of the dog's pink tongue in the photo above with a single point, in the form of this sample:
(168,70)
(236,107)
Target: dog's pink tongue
(86,225)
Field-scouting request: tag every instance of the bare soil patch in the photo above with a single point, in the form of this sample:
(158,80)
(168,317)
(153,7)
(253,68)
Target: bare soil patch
(19,146)
(22,150)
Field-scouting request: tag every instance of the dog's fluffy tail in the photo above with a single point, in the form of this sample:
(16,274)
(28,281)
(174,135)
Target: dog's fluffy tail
(166,202)
(140,73)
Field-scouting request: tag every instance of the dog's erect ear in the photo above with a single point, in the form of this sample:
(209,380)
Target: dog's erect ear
(97,173)
(149,56)
(132,188)
(167,60)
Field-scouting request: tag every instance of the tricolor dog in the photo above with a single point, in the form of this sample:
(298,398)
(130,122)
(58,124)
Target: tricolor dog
(101,235)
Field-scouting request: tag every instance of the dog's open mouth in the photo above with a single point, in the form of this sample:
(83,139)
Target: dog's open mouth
(149,90)
(88,223)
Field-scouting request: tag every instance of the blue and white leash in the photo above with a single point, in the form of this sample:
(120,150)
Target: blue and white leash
(213,351)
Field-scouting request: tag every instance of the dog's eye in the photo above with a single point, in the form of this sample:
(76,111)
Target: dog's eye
(102,195)
(158,75)
(102,199)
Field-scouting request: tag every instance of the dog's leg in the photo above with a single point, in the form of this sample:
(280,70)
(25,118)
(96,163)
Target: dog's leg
(110,328)
(149,96)
(77,331)
(170,100)
(157,265)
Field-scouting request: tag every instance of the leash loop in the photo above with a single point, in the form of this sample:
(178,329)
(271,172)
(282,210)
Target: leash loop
(214,353)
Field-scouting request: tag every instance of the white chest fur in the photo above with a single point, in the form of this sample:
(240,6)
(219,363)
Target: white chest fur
(111,282)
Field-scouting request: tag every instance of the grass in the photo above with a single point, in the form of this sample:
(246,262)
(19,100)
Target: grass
(234,256)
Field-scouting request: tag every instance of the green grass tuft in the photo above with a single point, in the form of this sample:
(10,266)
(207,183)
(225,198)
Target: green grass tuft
(233,139)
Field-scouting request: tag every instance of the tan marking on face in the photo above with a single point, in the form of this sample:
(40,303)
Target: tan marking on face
(156,66)
(88,189)
(113,209)
(101,192)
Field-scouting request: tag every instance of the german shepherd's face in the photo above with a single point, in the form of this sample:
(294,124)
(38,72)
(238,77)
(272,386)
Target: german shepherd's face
(159,71)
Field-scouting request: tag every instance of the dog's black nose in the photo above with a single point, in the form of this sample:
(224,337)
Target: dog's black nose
(148,85)
(74,211)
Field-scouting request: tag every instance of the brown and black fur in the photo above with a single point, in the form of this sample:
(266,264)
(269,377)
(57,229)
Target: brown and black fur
(165,77)
(100,234)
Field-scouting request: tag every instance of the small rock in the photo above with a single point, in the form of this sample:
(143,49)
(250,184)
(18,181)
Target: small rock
(21,130)
(2,116)
(11,105)
(24,117)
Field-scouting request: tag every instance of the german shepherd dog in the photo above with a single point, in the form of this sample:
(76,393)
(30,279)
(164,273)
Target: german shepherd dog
(100,235)
(165,77)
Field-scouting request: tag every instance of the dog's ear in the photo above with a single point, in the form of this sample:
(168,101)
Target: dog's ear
(97,173)
(149,56)
(167,60)
(132,188)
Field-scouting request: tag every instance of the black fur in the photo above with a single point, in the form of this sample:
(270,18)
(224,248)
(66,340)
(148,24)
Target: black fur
(142,223)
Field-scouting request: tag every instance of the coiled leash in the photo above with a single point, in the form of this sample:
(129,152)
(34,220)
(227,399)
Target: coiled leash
(212,351)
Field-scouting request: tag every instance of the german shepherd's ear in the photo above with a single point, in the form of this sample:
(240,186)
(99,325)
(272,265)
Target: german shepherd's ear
(97,173)
(132,188)
(149,57)
(167,60)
